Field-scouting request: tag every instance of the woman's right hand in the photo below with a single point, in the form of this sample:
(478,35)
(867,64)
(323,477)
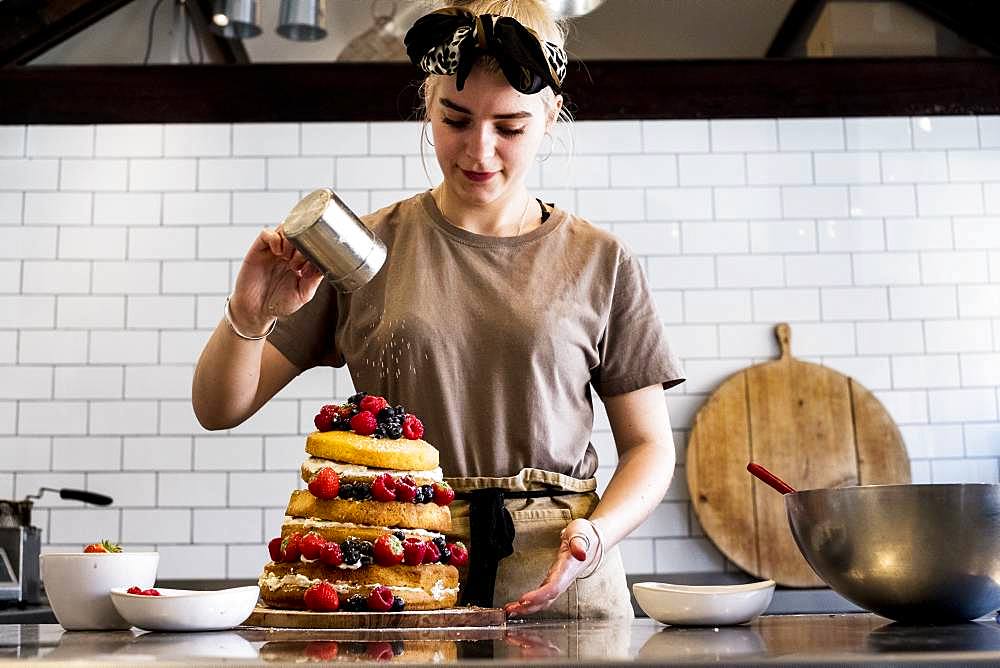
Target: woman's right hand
(275,280)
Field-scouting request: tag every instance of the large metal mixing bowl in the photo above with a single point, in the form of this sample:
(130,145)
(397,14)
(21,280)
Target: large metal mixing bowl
(912,553)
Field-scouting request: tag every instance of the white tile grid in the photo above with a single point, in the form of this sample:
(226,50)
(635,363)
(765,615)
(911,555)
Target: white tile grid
(876,238)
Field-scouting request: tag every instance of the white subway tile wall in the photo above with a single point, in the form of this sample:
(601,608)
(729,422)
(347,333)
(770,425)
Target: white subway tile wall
(877,238)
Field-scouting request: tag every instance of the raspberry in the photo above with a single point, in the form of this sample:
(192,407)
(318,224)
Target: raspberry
(311,545)
(379,651)
(364,423)
(459,555)
(443,493)
(373,404)
(330,554)
(384,488)
(380,599)
(388,550)
(322,597)
(326,484)
(413,551)
(406,489)
(326,417)
(432,553)
(413,428)
(290,547)
(322,650)
(274,549)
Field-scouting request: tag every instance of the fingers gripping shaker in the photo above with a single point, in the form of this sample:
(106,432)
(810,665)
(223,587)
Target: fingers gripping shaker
(332,237)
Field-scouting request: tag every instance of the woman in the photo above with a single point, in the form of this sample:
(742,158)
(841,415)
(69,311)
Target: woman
(493,318)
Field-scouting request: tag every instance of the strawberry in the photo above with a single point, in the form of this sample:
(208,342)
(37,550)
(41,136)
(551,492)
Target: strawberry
(103,546)
(322,650)
(325,484)
(413,551)
(380,599)
(413,428)
(459,554)
(134,590)
(322,597)
(326,417)
(384,488)
(290,547)
(330,554)
(311,545)
(443,493)
(150,592)
(373,404)
(364,423)
(432,554)
(388,550)
(274,549)
(406,489)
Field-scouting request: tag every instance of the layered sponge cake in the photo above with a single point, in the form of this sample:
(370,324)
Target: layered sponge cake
(369,532)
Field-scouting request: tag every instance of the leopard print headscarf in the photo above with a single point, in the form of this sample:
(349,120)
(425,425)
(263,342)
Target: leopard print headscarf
(449,41)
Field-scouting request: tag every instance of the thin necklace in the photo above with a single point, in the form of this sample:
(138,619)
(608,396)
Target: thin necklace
(520,225)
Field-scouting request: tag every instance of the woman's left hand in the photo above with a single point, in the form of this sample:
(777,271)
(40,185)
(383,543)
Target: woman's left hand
(574,557)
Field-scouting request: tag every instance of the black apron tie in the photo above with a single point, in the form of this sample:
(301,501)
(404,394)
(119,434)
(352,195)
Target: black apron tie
(491,538)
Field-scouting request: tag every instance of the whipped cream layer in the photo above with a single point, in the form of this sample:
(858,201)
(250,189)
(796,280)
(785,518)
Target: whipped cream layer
(273,582)
(314,464)
(307,523)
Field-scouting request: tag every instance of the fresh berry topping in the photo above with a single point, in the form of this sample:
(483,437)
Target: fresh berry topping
(425,494)
(274,549)
(400,535)
(443,493)
(326,417)
(143,592)
(322,597)
(388,551)
(103,546)
(290,547)
(364,423)
(373,404)
(406,490)
(326,484)
(356,603)
(397,604)
(380,599)
(311,545)
(330,554)
(134,590)
(350,553)
(384,488)
(432,554)
(459,555)
(413,428)
(356,398)
(413,551)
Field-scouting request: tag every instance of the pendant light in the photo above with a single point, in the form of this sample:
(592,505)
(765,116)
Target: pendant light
(302,20)
(236,18)
(571,8)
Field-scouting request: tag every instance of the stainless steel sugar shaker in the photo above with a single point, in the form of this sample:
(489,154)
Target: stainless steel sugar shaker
(332,237)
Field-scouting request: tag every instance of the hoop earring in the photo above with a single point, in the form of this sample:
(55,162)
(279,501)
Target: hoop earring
(424,136)
(549,153)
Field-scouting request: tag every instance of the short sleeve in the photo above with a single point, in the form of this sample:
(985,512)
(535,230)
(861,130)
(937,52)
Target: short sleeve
(634,352)
(308,336)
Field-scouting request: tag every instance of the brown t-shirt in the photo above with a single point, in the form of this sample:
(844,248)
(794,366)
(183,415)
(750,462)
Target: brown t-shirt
(494,342)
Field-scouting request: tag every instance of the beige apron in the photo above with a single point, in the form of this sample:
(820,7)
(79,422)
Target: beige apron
(537,522)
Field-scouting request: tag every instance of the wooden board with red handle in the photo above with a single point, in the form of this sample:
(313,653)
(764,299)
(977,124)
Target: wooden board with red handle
(808,424)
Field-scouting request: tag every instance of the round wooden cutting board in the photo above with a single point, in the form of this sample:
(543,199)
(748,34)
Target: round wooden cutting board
(811,426)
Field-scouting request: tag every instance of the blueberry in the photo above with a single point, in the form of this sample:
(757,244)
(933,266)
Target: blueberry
(397,606)
(428,492)
(347,490)
(445,555)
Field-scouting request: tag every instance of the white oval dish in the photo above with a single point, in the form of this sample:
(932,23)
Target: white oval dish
(703,605)
(77,584)
(186,609)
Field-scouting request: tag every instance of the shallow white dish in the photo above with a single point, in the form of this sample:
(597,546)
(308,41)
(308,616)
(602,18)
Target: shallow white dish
(708,605)
(77,585)
(186,609)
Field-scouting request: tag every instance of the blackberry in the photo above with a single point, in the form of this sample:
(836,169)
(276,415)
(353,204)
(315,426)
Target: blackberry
(340,426)
(397,606)
(428,491)
(362,491)
(395,431)
(419,498)
(356,398)
(400,535)
(385,414)
(445,554)
(349,553)
(440,542)
(356,603)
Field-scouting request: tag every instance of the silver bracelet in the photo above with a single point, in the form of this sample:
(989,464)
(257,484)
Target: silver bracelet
(232,325)
(601,545)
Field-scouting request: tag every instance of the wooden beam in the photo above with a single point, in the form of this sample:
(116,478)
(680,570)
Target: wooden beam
(29,28)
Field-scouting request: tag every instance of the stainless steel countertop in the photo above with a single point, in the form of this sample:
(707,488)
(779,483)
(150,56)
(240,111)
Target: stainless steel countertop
(853,638)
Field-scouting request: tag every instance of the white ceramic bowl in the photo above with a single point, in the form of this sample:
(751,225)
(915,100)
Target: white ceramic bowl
(186,609)
(77,585)
(710,605)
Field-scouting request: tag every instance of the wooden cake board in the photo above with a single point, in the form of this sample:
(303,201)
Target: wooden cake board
(463,616)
